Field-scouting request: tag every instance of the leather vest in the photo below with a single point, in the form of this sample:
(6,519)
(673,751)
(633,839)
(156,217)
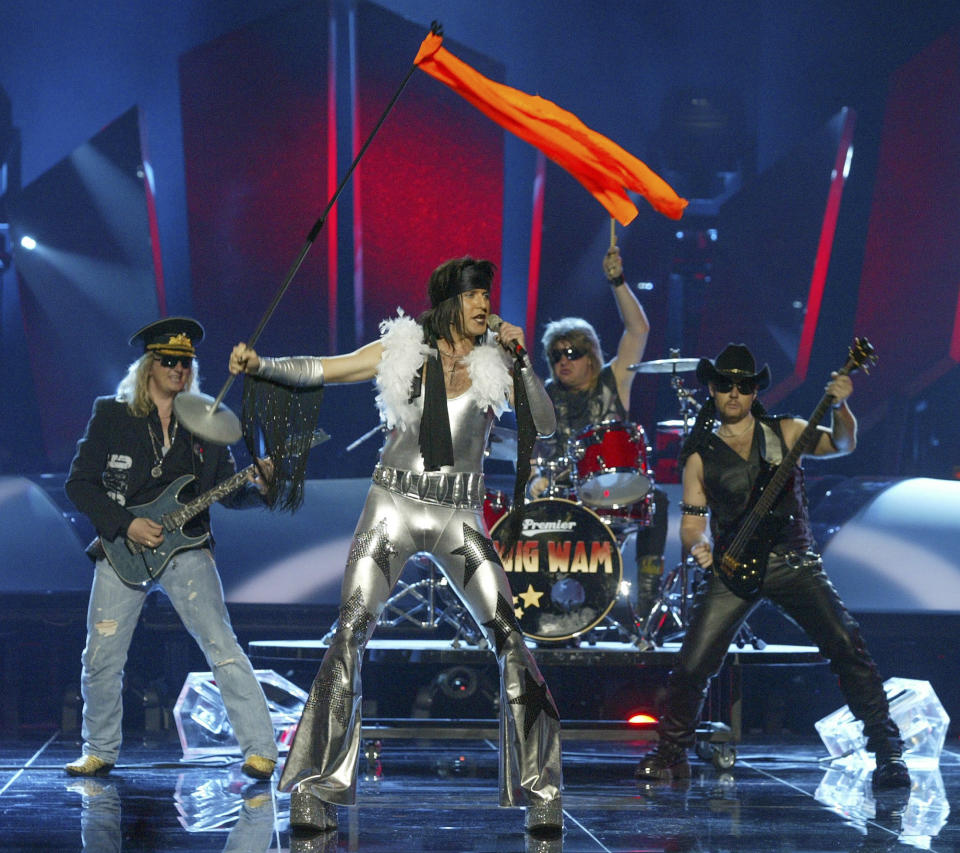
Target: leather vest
(729,479)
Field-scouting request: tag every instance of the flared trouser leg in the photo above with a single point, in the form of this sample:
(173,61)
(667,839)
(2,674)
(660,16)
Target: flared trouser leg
(323,758)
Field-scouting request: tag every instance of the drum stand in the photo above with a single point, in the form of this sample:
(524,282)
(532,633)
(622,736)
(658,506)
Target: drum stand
(427,604)
(668,618)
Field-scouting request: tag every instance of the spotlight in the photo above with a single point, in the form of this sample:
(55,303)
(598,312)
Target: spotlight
(28,243)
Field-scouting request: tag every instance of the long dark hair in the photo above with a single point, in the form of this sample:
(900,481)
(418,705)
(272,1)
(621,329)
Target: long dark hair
(703,427)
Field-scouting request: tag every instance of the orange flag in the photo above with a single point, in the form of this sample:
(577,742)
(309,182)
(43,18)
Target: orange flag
(602,166)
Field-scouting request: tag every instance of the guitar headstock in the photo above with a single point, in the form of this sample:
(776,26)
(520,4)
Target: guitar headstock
(862,356)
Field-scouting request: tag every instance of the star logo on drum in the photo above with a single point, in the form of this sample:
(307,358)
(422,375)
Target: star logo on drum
(530,598)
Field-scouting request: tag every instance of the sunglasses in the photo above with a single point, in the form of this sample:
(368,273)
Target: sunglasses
(569,353)
(744,386)
(185,361)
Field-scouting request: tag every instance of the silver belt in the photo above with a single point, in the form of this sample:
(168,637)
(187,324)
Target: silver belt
(463,490)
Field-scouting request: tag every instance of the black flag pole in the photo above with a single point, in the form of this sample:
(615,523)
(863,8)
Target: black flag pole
(207,417)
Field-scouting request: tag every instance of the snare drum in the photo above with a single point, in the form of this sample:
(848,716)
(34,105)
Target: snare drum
(610,461)
(565,569)
(625,519)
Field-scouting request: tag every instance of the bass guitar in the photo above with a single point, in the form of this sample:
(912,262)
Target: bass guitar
(741,560)
(139,565)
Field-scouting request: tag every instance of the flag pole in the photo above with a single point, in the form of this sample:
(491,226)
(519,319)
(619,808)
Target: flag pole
(209,418)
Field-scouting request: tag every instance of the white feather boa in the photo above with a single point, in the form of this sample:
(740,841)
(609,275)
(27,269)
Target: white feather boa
(403,355)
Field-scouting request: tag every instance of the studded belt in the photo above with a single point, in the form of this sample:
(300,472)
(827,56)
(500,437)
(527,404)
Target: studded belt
(463,490)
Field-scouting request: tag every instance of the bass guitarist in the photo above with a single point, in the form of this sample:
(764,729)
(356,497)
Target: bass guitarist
(132,450)
(731,445)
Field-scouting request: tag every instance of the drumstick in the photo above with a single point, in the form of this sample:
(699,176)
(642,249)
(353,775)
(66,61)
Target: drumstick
(613,232)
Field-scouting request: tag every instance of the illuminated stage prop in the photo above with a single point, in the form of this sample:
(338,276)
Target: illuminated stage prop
(915,709)
(202,722)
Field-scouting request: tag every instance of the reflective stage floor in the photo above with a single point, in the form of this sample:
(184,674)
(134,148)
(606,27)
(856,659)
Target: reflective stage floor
(441,796)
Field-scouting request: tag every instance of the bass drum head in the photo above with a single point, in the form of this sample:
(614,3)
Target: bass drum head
(565,570)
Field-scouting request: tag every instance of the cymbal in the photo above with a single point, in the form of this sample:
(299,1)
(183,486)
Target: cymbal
(503,444)
(195,411)
(666,365)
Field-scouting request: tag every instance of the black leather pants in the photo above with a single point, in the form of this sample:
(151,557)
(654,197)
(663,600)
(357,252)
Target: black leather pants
(800,587)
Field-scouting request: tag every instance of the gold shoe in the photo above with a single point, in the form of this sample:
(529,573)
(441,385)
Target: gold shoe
(258,767)
(88,765)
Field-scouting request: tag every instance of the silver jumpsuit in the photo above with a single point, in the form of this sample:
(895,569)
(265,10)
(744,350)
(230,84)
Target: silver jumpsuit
(408,511)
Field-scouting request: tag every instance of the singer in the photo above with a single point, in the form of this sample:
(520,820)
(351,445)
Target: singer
(441,381)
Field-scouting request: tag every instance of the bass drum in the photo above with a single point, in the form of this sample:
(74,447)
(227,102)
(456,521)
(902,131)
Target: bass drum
(565,570)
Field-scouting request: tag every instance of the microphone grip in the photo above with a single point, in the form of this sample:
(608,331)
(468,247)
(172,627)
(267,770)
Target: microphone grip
(493,323)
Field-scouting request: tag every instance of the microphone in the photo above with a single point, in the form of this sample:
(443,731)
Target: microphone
(493,324)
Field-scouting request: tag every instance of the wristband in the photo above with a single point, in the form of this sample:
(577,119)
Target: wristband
(618,281)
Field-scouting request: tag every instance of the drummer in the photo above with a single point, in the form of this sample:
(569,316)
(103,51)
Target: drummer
(585,391)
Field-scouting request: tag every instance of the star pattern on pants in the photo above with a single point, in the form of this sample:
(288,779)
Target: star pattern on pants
(535,700)
(374,543)
(329,691)
(476,550)
(504,621)
(355,617)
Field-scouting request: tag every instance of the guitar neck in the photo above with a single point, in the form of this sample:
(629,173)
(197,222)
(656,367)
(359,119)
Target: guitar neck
(785,469)
(181,516)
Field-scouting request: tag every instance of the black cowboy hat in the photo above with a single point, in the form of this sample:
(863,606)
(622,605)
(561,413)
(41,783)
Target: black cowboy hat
(736,362)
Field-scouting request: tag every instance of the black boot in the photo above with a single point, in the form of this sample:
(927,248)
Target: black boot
(668,761)
(891,772)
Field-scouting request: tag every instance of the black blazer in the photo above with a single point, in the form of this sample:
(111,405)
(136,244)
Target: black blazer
(111,468)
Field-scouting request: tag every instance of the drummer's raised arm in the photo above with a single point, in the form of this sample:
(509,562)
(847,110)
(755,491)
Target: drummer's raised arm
(636,327)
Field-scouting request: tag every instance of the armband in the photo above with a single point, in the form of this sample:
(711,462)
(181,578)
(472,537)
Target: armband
(693,509)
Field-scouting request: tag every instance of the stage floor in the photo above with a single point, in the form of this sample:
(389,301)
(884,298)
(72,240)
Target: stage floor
(441,796)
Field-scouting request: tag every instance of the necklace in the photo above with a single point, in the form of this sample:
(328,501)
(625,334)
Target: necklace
(158,451)
(730,434)
(455,360)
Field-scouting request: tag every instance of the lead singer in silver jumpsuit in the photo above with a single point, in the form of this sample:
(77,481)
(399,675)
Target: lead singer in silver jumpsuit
(411,508)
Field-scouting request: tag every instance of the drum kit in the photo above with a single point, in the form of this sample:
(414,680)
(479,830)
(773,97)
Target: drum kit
(566,570)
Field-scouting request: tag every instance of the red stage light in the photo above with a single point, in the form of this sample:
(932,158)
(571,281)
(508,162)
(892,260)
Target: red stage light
(641,718)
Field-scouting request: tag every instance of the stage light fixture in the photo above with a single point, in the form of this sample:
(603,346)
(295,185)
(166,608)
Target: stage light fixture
(28,243)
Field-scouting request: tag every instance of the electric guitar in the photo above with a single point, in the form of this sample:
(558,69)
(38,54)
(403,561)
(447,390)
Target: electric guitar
(139,565)
(741,560)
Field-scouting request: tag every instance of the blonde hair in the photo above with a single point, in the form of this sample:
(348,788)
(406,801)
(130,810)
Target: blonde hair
(579,334)
(134,388)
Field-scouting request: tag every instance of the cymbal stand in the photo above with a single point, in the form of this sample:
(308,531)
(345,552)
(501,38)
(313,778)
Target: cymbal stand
(689,407)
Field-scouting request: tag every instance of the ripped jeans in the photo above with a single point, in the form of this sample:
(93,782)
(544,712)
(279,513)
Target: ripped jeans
(193,586)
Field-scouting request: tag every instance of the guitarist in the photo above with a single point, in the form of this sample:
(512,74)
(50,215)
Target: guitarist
(133,448)
(732,441)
